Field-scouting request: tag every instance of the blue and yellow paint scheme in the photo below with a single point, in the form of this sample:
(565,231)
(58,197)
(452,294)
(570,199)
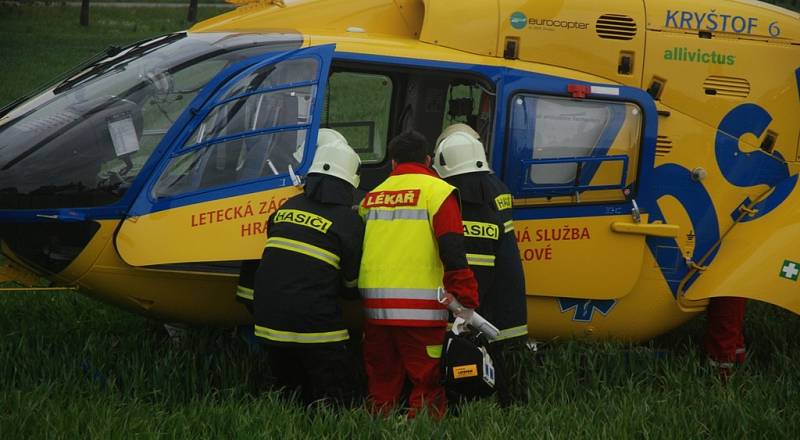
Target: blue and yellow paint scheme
(689,191)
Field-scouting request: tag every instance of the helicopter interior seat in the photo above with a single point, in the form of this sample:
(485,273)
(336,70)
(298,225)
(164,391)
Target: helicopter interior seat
(272,154)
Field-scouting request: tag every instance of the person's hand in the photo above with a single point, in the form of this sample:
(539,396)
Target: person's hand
(447,299)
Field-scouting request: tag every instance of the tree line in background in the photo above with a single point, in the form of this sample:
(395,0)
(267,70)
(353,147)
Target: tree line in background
(191,15)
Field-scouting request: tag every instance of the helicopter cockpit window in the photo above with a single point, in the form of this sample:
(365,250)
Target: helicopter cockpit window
(358,105)
(82,142)
(257,129)
(573,151)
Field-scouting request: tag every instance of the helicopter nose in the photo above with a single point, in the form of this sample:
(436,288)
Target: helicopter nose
(50,245)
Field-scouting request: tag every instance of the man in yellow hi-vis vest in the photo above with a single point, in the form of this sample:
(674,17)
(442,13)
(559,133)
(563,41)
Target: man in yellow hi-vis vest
(413,244)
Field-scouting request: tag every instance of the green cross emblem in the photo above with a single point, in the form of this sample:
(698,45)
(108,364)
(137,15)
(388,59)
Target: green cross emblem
(790,270)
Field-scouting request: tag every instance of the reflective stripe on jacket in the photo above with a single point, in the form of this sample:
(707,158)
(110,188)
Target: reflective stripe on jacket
(400,268)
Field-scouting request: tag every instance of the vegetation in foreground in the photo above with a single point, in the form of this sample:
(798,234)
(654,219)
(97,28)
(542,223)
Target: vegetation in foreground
(74,368)
(71,367)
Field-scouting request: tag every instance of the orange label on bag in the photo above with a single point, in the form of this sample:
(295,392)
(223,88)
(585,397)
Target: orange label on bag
(463,371)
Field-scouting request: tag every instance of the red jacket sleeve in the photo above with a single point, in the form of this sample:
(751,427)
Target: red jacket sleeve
(449,231)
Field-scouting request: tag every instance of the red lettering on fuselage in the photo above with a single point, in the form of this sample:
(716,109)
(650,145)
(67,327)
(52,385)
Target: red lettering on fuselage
(406,197)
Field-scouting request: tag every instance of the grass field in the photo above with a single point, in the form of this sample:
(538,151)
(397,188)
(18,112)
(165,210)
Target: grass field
(74,368)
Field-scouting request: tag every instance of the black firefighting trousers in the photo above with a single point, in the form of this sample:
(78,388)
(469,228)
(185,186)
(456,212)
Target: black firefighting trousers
(317,372)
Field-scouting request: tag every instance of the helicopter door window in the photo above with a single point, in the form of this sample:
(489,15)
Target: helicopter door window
(573,151)
(256,129)
(285,107)
(286,73)
(221,163)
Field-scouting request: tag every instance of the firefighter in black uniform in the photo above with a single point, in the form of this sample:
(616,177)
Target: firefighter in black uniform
(247,280)
(492,251)
(244,295)
(312,257)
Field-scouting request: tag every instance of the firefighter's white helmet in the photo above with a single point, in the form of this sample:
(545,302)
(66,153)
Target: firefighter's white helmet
(459,153)
(464,128)
(335,157)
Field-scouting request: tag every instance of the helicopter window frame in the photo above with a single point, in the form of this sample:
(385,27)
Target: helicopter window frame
(182,176)
(563,178)
(405,74)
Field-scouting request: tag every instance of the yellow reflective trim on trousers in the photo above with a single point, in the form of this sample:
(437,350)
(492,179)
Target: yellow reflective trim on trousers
(305,249)
(434,351)
(352,283)
(480,260)
(509,226)
(301,338)
(244,292)
(513,332)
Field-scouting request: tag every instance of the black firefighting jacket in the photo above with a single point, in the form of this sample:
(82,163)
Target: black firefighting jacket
(492,251)
(312,257)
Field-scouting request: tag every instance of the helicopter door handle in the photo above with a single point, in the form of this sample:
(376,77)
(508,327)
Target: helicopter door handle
(652,229)
(65,215)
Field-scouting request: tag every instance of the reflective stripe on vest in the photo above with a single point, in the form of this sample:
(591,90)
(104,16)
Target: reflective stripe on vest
(480,260)
(407,314)
(384,293)
(397,214)
(509,226)
(244,292)
(305,249)
(301,338)
(513,332)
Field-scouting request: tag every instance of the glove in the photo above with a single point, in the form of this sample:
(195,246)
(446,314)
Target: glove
(459,326)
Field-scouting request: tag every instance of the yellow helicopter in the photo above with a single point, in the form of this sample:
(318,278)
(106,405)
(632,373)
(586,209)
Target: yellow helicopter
(651,148)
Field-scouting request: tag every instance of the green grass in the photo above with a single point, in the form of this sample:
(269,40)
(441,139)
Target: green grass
(71,367)
(38,44)
(74,368)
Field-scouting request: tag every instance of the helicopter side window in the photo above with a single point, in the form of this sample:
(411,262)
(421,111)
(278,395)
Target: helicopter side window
(257,129)
(569,151)
(358,105)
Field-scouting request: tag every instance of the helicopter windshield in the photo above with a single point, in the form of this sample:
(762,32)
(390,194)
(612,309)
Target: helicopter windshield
(81,142)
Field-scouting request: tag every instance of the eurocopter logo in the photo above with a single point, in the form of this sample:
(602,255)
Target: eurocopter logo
(518,20)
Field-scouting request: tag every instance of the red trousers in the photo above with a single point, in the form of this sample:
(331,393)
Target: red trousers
(724,339)
(392,354)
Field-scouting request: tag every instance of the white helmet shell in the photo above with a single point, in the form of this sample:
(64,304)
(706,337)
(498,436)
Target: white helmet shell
(459,153)
(335,157)
(457,127)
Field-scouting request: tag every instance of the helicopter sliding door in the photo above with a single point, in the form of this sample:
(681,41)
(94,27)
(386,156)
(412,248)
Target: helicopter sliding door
(232,165)
(576,155)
